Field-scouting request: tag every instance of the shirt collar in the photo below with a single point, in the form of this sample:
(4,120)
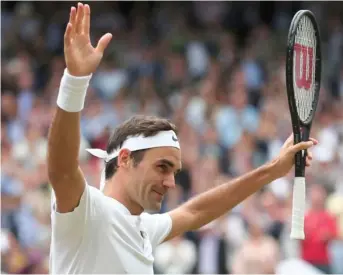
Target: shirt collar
(122,208)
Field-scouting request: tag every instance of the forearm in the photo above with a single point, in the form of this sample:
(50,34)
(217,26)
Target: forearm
(214,203)
(65,134)
(63,144)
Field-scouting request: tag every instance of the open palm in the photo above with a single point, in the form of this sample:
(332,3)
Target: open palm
(81,57)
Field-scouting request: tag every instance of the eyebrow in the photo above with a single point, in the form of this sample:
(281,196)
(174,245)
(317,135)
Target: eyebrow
(168,163)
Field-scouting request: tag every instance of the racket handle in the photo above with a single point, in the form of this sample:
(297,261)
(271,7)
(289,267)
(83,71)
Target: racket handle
(298,209)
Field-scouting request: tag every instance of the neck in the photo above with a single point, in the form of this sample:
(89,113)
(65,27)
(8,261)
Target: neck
(255,237)
(317,207)
(115,189)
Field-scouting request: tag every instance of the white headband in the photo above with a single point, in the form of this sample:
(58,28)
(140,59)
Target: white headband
(135,143)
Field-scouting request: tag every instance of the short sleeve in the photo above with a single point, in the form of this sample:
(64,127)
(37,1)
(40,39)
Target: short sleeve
(158,227)
(88,211)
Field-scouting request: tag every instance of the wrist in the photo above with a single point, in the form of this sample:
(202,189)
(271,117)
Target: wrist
(76,75)
(273,170)
(72,92)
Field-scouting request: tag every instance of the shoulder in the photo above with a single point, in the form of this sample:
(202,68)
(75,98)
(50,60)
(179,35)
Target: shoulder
(90,205)
(155,220)
(157,226)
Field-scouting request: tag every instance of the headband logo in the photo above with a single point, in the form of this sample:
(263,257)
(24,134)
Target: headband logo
(174,138)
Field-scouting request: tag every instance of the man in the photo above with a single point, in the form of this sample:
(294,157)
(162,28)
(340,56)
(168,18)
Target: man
(320,230)
(106,231)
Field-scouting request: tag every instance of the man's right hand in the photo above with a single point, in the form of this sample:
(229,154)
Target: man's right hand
(81,57)
(285,161)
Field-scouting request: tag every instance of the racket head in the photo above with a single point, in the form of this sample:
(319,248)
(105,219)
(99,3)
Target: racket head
(303,69)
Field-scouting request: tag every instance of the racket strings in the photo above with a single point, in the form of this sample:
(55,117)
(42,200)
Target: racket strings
(304,78)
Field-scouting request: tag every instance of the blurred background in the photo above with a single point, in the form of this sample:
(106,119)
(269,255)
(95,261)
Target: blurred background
(217,70)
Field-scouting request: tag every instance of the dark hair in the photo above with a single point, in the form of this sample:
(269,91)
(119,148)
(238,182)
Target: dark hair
(136,125)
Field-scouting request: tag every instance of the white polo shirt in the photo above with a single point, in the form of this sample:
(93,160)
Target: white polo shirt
(101,236)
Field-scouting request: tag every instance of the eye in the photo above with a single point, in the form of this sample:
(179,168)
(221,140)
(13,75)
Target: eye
(176,173)
(163,168)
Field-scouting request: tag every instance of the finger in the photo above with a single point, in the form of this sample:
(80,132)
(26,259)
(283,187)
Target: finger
(310,155)
(289,141)
(79,18)
(308,158)
(308,163)
(103,42)
(72,18)
(86,20)
(302,146)
(68,35)
(290,137)
(315,142)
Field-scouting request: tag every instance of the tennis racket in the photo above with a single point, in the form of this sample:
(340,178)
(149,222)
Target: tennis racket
(303,75)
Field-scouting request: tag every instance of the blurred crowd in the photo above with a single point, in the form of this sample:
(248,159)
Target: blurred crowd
(217,70)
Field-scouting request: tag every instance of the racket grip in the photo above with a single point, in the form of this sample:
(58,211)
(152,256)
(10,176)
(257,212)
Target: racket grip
(298,209)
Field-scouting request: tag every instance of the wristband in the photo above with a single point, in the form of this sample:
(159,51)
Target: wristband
(72,92)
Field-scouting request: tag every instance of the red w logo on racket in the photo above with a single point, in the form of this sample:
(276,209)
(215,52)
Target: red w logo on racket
(303,74)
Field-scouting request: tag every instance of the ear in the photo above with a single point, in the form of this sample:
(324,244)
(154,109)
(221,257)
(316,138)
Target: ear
(124,158)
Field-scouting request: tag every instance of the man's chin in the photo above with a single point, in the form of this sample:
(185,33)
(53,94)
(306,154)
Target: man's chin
(154,207)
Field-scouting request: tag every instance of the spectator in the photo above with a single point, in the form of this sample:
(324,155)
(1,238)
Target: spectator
(259,253)
(320,230)
(177,256)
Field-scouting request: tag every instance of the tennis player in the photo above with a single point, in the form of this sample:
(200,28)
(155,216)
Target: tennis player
(107,230)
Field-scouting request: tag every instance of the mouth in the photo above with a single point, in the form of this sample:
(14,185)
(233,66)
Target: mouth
(160,195)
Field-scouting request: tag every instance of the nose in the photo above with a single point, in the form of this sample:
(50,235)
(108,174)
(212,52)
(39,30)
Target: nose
(169,181)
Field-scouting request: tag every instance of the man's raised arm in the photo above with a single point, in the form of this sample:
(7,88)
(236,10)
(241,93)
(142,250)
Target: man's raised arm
(216,202)
(82,59)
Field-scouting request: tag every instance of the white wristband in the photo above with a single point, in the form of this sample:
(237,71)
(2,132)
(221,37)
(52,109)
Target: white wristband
(72,92)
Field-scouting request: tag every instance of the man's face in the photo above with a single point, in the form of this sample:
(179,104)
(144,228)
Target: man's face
(317,196)
(153,176)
